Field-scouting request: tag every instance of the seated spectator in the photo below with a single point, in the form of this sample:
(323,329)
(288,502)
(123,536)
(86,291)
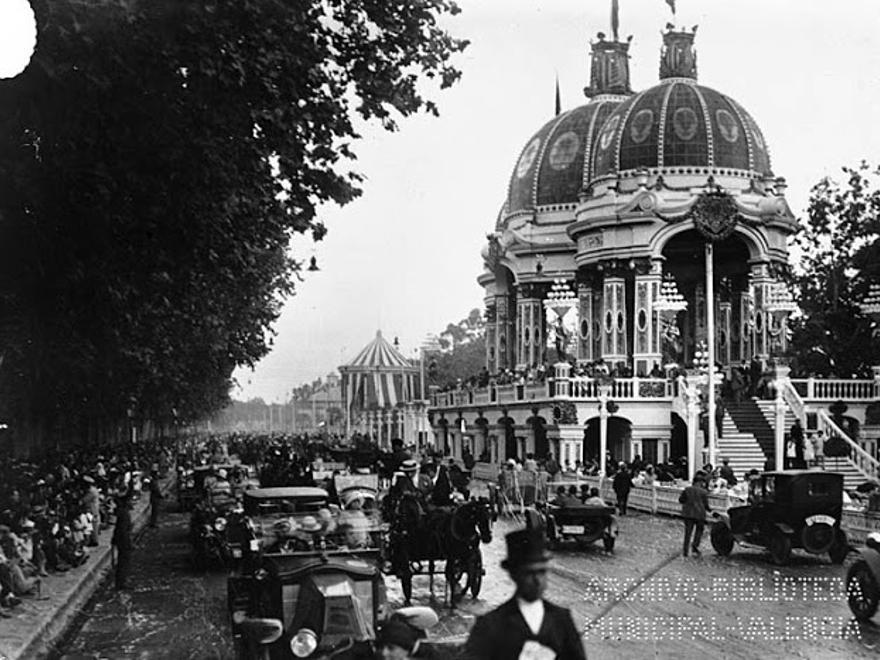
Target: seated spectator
(594,498)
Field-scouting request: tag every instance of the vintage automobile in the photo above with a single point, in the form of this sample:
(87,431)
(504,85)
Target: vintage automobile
(191,481)
(580,523)
(263,508)
(221,534)
(787,509)
(863,580)
(320,599)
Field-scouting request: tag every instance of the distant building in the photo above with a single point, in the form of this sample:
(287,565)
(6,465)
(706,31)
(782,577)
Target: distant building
(382,393)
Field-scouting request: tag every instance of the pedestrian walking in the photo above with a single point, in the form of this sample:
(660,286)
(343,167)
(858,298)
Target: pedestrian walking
(622,484)
(122,540)
(155,497)
(694,502)
(91,502)
(526,626)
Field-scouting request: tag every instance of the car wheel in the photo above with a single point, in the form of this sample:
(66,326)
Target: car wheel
(862,591)
(780,548)
(721,538)
(839,549)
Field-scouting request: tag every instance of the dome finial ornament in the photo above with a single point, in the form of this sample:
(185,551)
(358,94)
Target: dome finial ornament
(678,58)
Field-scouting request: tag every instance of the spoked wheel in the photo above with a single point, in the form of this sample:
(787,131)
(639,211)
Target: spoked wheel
(780,548)
(862,590)
(721,538)
(475,573)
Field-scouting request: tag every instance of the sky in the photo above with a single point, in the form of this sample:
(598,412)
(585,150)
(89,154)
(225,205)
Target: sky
(404,257)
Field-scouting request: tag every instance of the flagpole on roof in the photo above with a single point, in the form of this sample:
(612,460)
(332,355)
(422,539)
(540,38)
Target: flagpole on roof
(615,18)
(558,97)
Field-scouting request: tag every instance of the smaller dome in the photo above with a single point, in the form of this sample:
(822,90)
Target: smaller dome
(553,167)
(682,125)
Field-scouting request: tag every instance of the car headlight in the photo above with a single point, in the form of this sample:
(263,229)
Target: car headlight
(220,524)
(304,643)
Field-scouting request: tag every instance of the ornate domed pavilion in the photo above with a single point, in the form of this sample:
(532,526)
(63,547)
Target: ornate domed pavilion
(639,231)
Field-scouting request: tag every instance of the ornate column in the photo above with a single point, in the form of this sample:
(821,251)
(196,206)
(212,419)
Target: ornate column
(530,325)
(646,334)
(761,283)
(695,437)
(614,322)
(604,394)
(585,322)
(781,381)
(491,338)
(504,333)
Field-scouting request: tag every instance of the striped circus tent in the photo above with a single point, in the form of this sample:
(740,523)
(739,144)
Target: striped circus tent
(379,378)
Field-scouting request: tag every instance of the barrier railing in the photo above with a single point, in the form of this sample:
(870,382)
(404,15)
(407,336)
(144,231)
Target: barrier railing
(862,460)
(795,402)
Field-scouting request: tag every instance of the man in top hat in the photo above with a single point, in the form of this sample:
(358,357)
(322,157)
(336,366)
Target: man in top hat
(399,637)
(526,626)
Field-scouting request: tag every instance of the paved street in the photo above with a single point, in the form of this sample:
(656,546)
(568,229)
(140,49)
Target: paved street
(736,607)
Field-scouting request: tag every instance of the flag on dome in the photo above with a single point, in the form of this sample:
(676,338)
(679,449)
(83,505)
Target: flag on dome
(558,97)
(671,4)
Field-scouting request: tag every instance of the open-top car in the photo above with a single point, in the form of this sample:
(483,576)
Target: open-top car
(787,509)
(581,523)
(318,598)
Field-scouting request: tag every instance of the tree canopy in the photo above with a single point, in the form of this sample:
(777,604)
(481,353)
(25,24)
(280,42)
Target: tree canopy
(155,160)
(839,249)
(463,351)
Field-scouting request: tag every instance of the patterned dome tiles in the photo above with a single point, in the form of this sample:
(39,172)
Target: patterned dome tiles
(679,123)
(554,165)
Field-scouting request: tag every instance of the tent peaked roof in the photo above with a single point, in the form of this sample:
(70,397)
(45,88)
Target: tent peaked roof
(379,353)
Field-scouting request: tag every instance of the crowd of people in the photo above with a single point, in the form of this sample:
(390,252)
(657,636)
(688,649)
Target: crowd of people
(54,506)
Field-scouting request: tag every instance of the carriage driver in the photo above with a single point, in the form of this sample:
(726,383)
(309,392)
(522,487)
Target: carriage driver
(526,626)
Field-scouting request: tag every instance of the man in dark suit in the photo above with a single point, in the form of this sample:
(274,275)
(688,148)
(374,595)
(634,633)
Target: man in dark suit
(694,502)
(526,624)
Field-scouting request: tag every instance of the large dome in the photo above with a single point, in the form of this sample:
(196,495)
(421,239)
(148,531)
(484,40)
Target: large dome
(554,166)
(681,127)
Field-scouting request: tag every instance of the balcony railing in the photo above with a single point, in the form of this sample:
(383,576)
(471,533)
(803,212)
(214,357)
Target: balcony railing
(825,389)
(581,388)
(576,389)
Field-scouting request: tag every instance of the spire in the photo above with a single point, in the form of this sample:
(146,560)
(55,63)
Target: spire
(558,97)
(678,58)
(609,70)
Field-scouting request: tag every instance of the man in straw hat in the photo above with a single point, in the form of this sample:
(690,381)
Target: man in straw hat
(526,626)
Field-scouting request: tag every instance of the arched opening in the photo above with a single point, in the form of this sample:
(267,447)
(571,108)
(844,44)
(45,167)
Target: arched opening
(511,449)
(685,260)
(619,439)
(678,438)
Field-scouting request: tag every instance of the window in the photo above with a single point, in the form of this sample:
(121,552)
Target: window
(819,489)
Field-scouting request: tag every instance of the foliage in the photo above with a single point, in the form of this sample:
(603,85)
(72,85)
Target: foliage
(463,353)
(155,160)
(839,257)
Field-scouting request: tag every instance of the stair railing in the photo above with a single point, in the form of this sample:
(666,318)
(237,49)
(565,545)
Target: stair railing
(794,401)
(862,460)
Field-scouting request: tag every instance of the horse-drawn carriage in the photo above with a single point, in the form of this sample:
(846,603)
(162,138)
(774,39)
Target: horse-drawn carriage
(422,536)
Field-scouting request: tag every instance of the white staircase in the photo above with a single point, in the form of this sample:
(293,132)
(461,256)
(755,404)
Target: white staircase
(852,476)
(741,448)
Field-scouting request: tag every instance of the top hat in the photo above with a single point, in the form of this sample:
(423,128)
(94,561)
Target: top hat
(525,546)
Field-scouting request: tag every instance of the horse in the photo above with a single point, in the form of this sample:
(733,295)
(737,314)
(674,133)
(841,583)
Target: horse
(446,534)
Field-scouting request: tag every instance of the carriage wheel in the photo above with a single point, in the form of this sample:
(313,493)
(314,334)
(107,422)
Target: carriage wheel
(862,591)
(475,573)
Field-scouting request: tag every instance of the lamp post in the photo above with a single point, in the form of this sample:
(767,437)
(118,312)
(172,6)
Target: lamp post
(604,395)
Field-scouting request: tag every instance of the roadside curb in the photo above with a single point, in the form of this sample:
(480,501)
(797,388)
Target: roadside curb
(37,626)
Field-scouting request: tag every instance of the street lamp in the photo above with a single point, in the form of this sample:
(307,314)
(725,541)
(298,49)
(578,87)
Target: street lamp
(710,376)
(669,303)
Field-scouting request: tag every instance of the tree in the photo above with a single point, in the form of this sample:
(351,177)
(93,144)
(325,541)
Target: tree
(463,351)
(155,160)
(839,257)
